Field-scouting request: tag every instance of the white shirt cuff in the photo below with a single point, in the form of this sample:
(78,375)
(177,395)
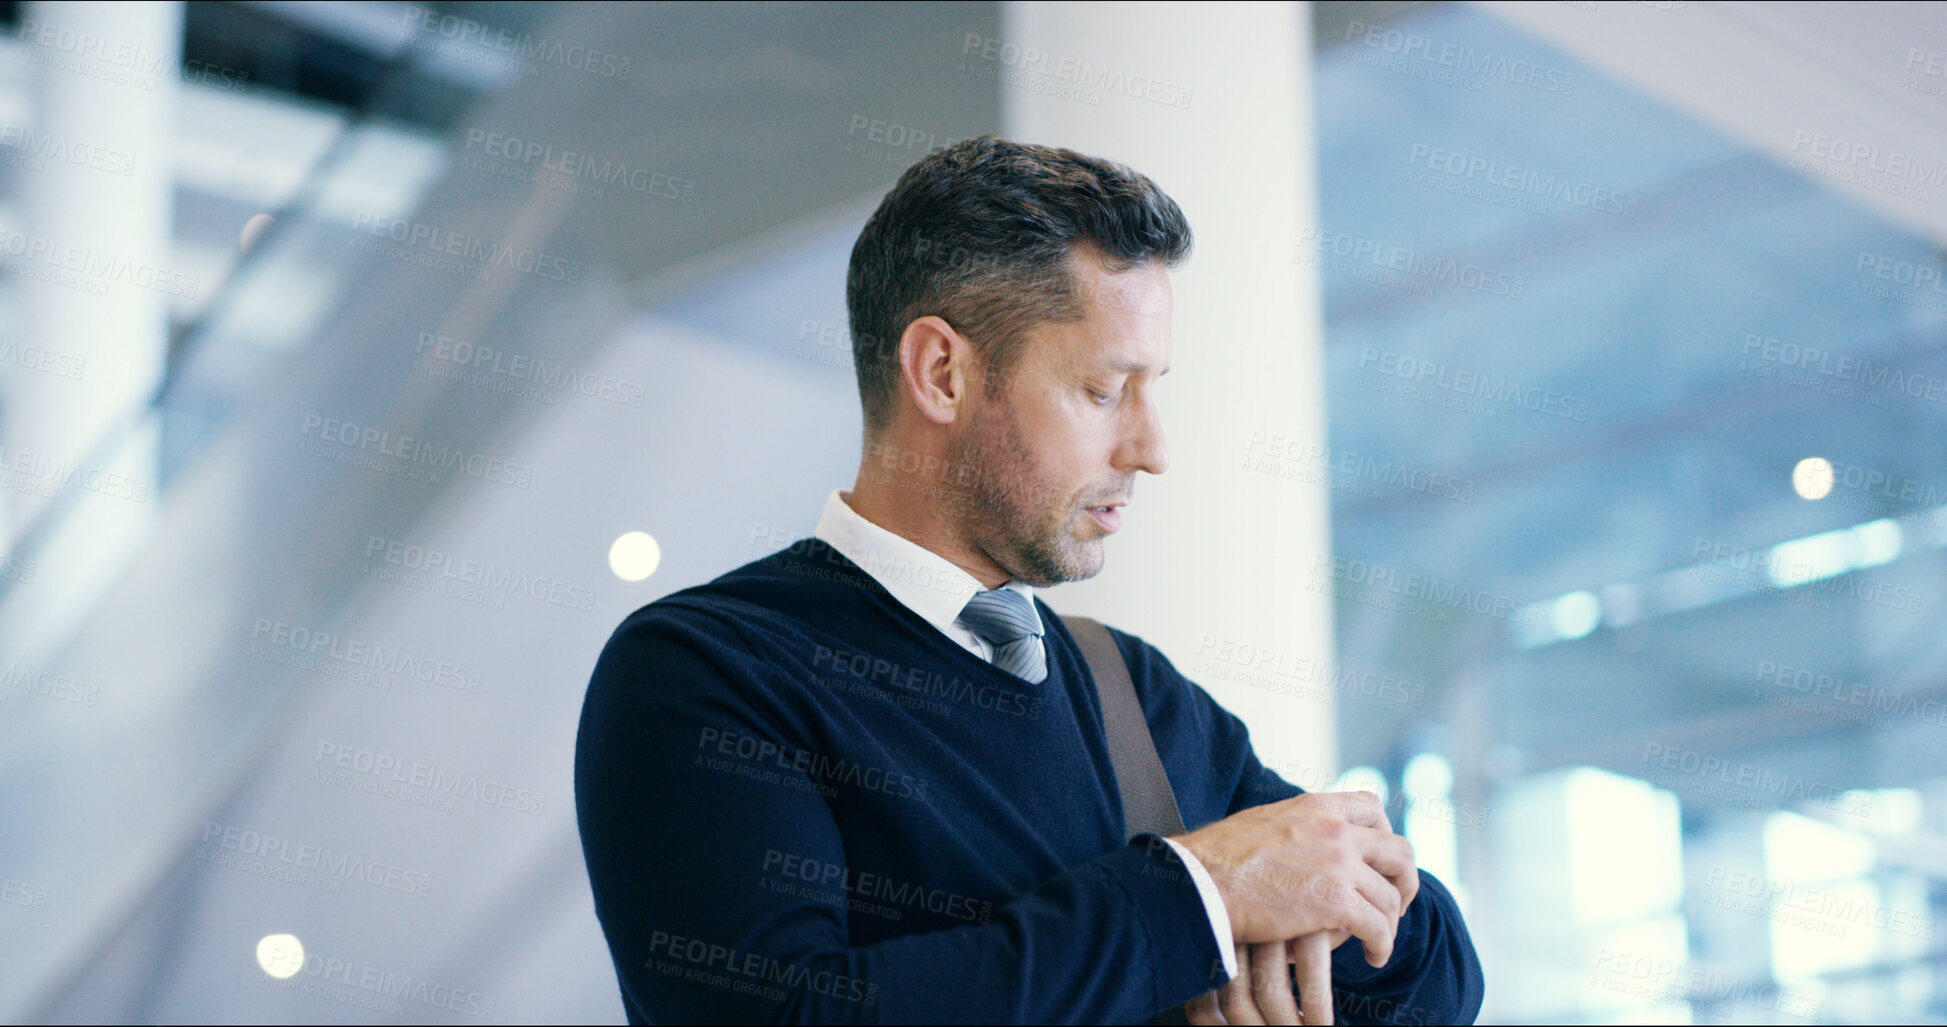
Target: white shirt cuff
(1213,904)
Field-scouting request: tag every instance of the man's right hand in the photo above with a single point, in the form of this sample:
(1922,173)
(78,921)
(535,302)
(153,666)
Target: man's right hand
(1319,862)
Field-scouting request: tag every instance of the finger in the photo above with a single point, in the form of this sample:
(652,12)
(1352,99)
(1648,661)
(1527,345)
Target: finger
(1373,928)
(1378,890)
(1384,851)
(1271,983)
(1361,808)
(1312,959)
(1392,856)
(1234,998)
(1203,1009)
(1409,887)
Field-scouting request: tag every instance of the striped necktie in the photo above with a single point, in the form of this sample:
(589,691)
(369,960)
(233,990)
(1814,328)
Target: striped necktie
(1008,620)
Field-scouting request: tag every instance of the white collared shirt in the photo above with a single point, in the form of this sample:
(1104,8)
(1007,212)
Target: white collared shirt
(935,588)
(922,580)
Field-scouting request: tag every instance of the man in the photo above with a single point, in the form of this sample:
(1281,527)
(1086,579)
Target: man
(867,779)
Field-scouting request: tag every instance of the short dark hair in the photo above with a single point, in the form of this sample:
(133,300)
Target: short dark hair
(981,233)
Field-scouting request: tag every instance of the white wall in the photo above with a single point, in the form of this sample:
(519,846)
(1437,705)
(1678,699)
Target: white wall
(1215,561)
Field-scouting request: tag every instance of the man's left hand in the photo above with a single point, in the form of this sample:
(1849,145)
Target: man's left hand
(1261,993)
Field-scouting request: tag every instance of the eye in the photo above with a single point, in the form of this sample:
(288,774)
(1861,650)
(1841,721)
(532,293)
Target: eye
(1099,399)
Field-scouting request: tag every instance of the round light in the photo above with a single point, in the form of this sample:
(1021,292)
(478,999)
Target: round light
(634,556)
(1575,615)
(254,230)
(281,955)
(1812,478)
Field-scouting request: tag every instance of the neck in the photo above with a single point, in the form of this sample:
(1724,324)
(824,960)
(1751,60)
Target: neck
(897,501)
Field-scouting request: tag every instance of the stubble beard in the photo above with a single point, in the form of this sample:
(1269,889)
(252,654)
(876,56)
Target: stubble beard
(1028,529)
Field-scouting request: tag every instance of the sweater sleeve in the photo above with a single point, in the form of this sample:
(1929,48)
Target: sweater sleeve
(1434,975)
(673,823)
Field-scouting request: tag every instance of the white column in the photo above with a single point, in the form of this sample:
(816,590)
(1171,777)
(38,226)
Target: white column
(106,81)
(1215,561)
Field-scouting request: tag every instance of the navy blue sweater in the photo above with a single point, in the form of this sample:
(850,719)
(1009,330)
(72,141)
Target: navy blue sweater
(799,801)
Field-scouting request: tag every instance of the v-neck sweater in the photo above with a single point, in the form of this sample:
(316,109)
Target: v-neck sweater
(800,802)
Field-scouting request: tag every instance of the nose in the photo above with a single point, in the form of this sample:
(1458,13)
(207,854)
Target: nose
(1146,449)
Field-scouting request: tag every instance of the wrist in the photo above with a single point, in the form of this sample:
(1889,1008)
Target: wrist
(1214,905)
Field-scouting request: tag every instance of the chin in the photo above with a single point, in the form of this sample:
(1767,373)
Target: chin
(1088,561)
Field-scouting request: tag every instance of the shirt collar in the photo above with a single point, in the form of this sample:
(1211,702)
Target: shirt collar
(924,581)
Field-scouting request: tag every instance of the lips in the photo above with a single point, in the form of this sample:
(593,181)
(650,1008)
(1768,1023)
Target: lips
(1108,517)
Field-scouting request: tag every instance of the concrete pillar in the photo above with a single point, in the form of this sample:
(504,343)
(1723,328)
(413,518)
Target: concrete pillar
(1214,564)
(96,284)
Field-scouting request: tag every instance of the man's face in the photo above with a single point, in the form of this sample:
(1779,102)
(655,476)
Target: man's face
(1063,434)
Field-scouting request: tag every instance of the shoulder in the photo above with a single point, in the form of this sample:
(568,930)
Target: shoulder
(1158,683)
(694,665)
(699,638)
(1154,674)
(750,607)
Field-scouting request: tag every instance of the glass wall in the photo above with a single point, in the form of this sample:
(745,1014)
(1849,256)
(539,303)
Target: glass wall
(1640,500)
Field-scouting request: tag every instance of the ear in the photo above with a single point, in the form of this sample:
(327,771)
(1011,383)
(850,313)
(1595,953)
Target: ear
(934,366)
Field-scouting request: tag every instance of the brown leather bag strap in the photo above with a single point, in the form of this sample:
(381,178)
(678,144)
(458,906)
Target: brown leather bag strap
(1148,801)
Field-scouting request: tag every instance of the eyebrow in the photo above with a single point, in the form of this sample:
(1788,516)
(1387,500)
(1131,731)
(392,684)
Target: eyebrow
(1136,367)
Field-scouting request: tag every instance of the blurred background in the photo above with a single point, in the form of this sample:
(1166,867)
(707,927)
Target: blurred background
(362,365)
